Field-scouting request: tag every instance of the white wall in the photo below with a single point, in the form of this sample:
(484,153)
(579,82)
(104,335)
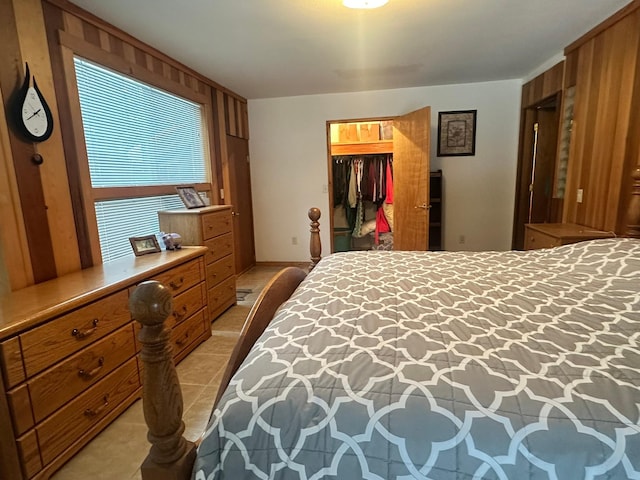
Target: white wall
(288,148)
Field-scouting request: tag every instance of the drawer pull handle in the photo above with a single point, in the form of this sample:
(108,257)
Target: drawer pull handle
(177,284)
(82,373)
(180,315)
(182,340)
(91,413)
(80,335)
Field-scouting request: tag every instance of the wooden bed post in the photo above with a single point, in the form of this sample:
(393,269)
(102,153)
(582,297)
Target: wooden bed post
(171,457)
(633,212)
(314,244)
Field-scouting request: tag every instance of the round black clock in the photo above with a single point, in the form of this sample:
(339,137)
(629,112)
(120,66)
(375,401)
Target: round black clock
(32,113)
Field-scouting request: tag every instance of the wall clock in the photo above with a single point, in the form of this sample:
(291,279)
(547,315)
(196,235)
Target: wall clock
(33,118)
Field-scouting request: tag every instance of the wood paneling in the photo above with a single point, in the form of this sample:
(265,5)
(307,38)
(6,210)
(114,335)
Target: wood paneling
(15,261)
(543,86)
(27,175)
(602,154)
(73,31)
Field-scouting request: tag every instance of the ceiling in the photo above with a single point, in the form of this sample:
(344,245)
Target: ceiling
(277,48)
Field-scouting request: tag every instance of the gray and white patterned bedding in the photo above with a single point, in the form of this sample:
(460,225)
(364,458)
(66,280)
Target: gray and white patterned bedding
(511,365)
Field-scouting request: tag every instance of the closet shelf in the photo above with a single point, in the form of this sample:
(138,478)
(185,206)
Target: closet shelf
(362,148)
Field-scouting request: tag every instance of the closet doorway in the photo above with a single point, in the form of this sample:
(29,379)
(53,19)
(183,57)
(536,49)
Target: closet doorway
(536,200)
(365,155)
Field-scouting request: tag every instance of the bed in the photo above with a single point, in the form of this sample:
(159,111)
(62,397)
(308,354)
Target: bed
(436,365)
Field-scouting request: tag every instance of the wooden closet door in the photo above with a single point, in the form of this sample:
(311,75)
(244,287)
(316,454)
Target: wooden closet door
(411,147)
(240,180)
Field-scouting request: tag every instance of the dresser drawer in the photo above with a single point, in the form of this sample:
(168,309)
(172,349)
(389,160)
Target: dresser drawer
(186,304)
(222,296)
(45,345)
(219,270)
(534,239)
(219,247)
(181,278)
(55,387)
(216,223)
(188,333)
(70,422)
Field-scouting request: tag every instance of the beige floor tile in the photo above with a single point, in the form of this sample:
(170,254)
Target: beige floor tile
(232,320)
(200,369)
(196,418)
(118,452)
(114,454)
(221,343)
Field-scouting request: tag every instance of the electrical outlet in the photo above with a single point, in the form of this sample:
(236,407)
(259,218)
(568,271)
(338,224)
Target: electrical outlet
(461,239)
(579,196)
(294,240)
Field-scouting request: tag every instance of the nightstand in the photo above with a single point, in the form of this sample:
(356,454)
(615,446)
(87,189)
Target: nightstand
(547,235)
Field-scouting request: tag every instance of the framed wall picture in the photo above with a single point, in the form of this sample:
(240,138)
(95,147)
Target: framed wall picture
(190,197)
(457,133)
(144,245)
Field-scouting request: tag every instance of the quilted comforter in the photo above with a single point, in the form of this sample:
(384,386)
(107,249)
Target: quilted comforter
(491,365)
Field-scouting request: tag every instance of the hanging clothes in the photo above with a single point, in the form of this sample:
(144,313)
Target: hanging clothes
(389,189)
(359,179)
(382,226)
(353,189)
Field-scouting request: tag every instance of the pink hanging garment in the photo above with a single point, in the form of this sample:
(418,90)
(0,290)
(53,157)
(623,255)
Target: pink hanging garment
(389,196)
(382,226)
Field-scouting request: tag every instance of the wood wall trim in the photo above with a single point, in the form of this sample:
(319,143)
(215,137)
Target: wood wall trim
(27,175)
(13,237)
(212,158)
(57,198)
(303,265)
(109,28)
(544,86)
(111,60)
(222,139)
(76,153)
(598,29)
(115,193)
(217,143)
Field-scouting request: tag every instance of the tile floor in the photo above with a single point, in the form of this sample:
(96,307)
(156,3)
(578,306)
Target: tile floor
(117,452)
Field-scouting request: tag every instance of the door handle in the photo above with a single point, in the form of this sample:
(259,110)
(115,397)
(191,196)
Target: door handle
(235,214)
(424,206)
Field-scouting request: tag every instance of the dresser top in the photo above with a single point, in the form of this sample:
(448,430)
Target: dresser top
(197,211)
(33,305)
(569,230)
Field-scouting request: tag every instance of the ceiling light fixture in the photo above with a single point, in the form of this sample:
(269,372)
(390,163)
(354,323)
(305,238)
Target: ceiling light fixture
(364,3)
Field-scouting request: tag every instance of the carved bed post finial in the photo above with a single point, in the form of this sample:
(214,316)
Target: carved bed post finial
(170,456)
(633,212)
(314,244)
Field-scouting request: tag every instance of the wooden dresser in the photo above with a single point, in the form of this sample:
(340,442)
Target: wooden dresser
(69,354)
(547,235)
(212,227)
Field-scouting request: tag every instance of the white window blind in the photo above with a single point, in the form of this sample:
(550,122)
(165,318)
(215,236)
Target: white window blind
(132,217)
(136,135)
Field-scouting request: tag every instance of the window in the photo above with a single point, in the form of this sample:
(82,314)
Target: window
(136,136)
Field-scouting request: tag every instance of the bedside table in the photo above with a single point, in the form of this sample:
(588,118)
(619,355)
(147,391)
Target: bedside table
(547,235)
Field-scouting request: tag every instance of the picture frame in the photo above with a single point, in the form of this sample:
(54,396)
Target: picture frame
(144,245)
(190,196)
(457,133)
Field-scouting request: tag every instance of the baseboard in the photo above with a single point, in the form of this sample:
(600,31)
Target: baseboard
(302,265)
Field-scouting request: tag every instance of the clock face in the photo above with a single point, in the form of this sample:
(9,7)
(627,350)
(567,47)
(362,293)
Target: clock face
(34,115)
